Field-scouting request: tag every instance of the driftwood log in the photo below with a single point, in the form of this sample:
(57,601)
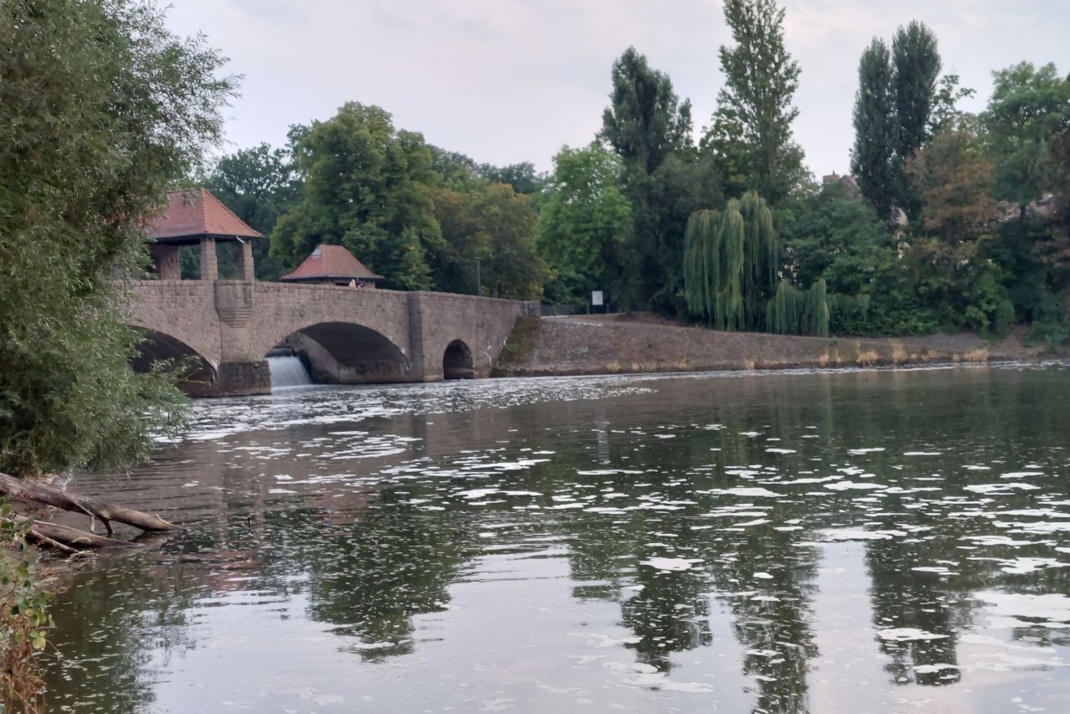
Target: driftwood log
(72,539)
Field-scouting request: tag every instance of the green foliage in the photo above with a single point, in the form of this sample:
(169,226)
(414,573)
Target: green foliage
(794,312)
(645,122)
(24,620)
(367,186)
(751,128)
(828,236)
(662,177)
(259,185)
(490,229)
(916,58)
(731,274)
(101,109)
(513,269)
(1029,107)
(585,226)
(917,63)
(945,110)
(875,129)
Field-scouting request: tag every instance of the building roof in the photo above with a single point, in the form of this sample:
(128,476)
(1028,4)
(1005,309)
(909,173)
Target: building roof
(331,262)
(194,214)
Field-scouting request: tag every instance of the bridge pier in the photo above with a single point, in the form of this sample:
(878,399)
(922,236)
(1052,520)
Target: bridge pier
(242,379)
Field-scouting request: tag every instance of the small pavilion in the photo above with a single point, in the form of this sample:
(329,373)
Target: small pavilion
(333,265)
(192,217)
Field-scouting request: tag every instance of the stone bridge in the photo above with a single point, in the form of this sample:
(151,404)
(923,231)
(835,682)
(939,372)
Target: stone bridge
(344,335)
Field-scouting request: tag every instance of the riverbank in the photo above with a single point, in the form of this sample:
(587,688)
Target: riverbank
(639,344)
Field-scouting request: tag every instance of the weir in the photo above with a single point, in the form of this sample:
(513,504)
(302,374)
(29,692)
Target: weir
(288,373)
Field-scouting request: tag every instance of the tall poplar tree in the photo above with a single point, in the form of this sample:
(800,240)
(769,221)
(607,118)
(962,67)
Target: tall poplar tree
(875,129)
(649,128)
(916,59)
(645,122)
(752,124)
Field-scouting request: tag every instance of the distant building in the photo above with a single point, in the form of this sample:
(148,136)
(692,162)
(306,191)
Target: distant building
(333,265)
(196,217)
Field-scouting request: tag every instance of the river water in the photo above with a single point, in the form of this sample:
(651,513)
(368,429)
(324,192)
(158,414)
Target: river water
(872,541)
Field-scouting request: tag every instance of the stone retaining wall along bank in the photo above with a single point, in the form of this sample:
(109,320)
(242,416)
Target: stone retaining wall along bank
(575,347)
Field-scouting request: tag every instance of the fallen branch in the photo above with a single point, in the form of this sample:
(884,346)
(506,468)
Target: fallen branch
(71,539)
(95,509)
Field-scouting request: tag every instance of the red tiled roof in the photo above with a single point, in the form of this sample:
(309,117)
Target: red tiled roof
(331,262)
(194,213)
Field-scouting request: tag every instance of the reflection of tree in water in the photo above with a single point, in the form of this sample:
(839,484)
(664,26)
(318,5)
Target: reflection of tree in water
(671,610)
(769,582)
(116,630)
(906,600)
(370,579)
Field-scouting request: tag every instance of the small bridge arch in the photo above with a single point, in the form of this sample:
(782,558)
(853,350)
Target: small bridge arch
(457,362)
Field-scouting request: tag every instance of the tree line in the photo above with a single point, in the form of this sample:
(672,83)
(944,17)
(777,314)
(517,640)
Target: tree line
(950,220)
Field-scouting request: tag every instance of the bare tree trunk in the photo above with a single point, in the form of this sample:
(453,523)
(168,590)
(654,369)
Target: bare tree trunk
(97,510)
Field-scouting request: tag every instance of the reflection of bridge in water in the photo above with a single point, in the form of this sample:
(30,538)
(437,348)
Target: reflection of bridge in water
(344,336)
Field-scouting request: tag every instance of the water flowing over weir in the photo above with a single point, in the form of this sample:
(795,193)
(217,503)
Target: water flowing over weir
(288,372)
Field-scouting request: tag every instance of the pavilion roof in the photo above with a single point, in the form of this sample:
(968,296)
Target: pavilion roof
(192,214)
(331,262)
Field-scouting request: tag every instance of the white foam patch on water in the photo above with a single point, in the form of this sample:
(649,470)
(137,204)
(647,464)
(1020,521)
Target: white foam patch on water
(936,569)
(1022,474)
(923,453)
(746,493)
(1027,609)
(908,634)
(781,451)
(842,536)
(934,668)
(670,564)
(1001,488)
(1023,566)
(993,540)
(863,452)
(608,472)
(1040,528)
(854,486)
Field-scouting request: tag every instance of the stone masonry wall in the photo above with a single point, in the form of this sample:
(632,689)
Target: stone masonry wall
(587,346)
(483,324)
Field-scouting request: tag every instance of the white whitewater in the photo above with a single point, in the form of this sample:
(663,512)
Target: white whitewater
(287,373)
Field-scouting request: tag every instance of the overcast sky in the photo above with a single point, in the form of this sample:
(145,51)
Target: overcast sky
(506,81)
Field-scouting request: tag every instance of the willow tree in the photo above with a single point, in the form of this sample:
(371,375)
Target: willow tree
(761,250)
(731,264)
(732,274)
(798,312)
(713,266)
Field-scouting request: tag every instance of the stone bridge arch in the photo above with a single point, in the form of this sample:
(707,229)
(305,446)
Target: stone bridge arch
(156,347)
(181,310)
(347,353)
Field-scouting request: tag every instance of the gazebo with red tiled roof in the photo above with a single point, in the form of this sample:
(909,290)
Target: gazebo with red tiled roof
(195,216)
(333,265)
